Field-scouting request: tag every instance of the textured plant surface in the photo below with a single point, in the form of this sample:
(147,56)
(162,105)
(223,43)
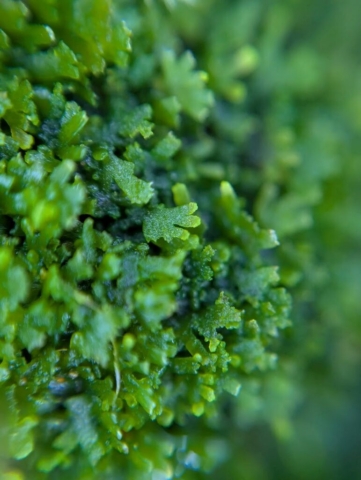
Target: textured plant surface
(168,171)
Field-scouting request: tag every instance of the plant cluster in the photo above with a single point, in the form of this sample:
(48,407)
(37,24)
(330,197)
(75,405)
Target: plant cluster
(171,173)
(135,294)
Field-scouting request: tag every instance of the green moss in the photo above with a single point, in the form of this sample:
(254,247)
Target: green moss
(154,207)
(124,320)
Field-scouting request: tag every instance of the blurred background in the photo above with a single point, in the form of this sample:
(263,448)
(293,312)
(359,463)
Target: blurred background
(287,124)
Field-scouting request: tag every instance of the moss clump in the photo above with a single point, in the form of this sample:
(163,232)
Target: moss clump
(169,170)
(126,309)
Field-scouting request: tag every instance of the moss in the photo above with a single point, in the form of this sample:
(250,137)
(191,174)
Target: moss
(162,165)
(124,322)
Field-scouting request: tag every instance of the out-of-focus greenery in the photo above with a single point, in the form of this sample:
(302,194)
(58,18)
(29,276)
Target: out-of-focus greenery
(153,154)
(304,97)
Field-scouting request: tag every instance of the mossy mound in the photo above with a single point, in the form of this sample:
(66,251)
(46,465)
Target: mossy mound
(126,310)
(171,173)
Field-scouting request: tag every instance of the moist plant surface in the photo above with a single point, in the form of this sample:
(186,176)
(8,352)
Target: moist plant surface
(157,187)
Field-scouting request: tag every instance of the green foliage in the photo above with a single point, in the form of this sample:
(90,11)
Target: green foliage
(152,216)
(165,223)
(187,86)
(125,320)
